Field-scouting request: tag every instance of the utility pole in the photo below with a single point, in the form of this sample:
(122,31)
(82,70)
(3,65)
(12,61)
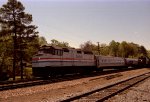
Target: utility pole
(98,48)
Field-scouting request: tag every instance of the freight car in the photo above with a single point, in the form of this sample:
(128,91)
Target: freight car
(52,60)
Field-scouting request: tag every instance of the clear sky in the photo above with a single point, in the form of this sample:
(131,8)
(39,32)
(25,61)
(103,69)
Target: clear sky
(78,21)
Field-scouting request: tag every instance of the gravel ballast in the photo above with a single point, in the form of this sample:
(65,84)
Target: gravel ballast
(62,90)
(140,93)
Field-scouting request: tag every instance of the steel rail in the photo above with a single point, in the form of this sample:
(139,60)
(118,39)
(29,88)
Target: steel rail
(102,94)
(22,84)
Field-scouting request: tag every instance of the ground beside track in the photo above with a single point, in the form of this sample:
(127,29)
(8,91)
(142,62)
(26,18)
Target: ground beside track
(137,93)
(62,90)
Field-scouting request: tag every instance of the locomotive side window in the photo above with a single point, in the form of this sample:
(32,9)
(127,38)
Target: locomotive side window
(57,52)
(53,51)
(88,52)
(61,52)
(79,52)
(65,50)
(48,51)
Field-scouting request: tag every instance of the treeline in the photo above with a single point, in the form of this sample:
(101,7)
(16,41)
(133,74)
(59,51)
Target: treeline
(117,49)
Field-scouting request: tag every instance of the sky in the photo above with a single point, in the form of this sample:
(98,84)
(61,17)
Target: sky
(79,21)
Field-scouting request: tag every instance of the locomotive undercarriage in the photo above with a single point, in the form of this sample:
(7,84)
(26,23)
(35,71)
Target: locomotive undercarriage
(54,71)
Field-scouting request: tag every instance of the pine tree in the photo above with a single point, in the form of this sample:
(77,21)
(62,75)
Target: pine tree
(18,27)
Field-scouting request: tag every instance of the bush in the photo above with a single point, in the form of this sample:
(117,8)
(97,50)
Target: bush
(28,73)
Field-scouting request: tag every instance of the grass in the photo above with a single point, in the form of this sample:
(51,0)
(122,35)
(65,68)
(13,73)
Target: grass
(26,75)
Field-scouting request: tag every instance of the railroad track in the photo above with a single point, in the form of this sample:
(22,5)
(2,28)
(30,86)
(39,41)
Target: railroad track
(103,94)
(22,84)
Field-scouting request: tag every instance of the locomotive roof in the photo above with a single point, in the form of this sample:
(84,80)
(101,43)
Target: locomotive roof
(108,56)
(55,47)
(63,48)
(131,58)
(47,47)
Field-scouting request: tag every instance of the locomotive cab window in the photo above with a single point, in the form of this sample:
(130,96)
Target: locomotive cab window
(47,50)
